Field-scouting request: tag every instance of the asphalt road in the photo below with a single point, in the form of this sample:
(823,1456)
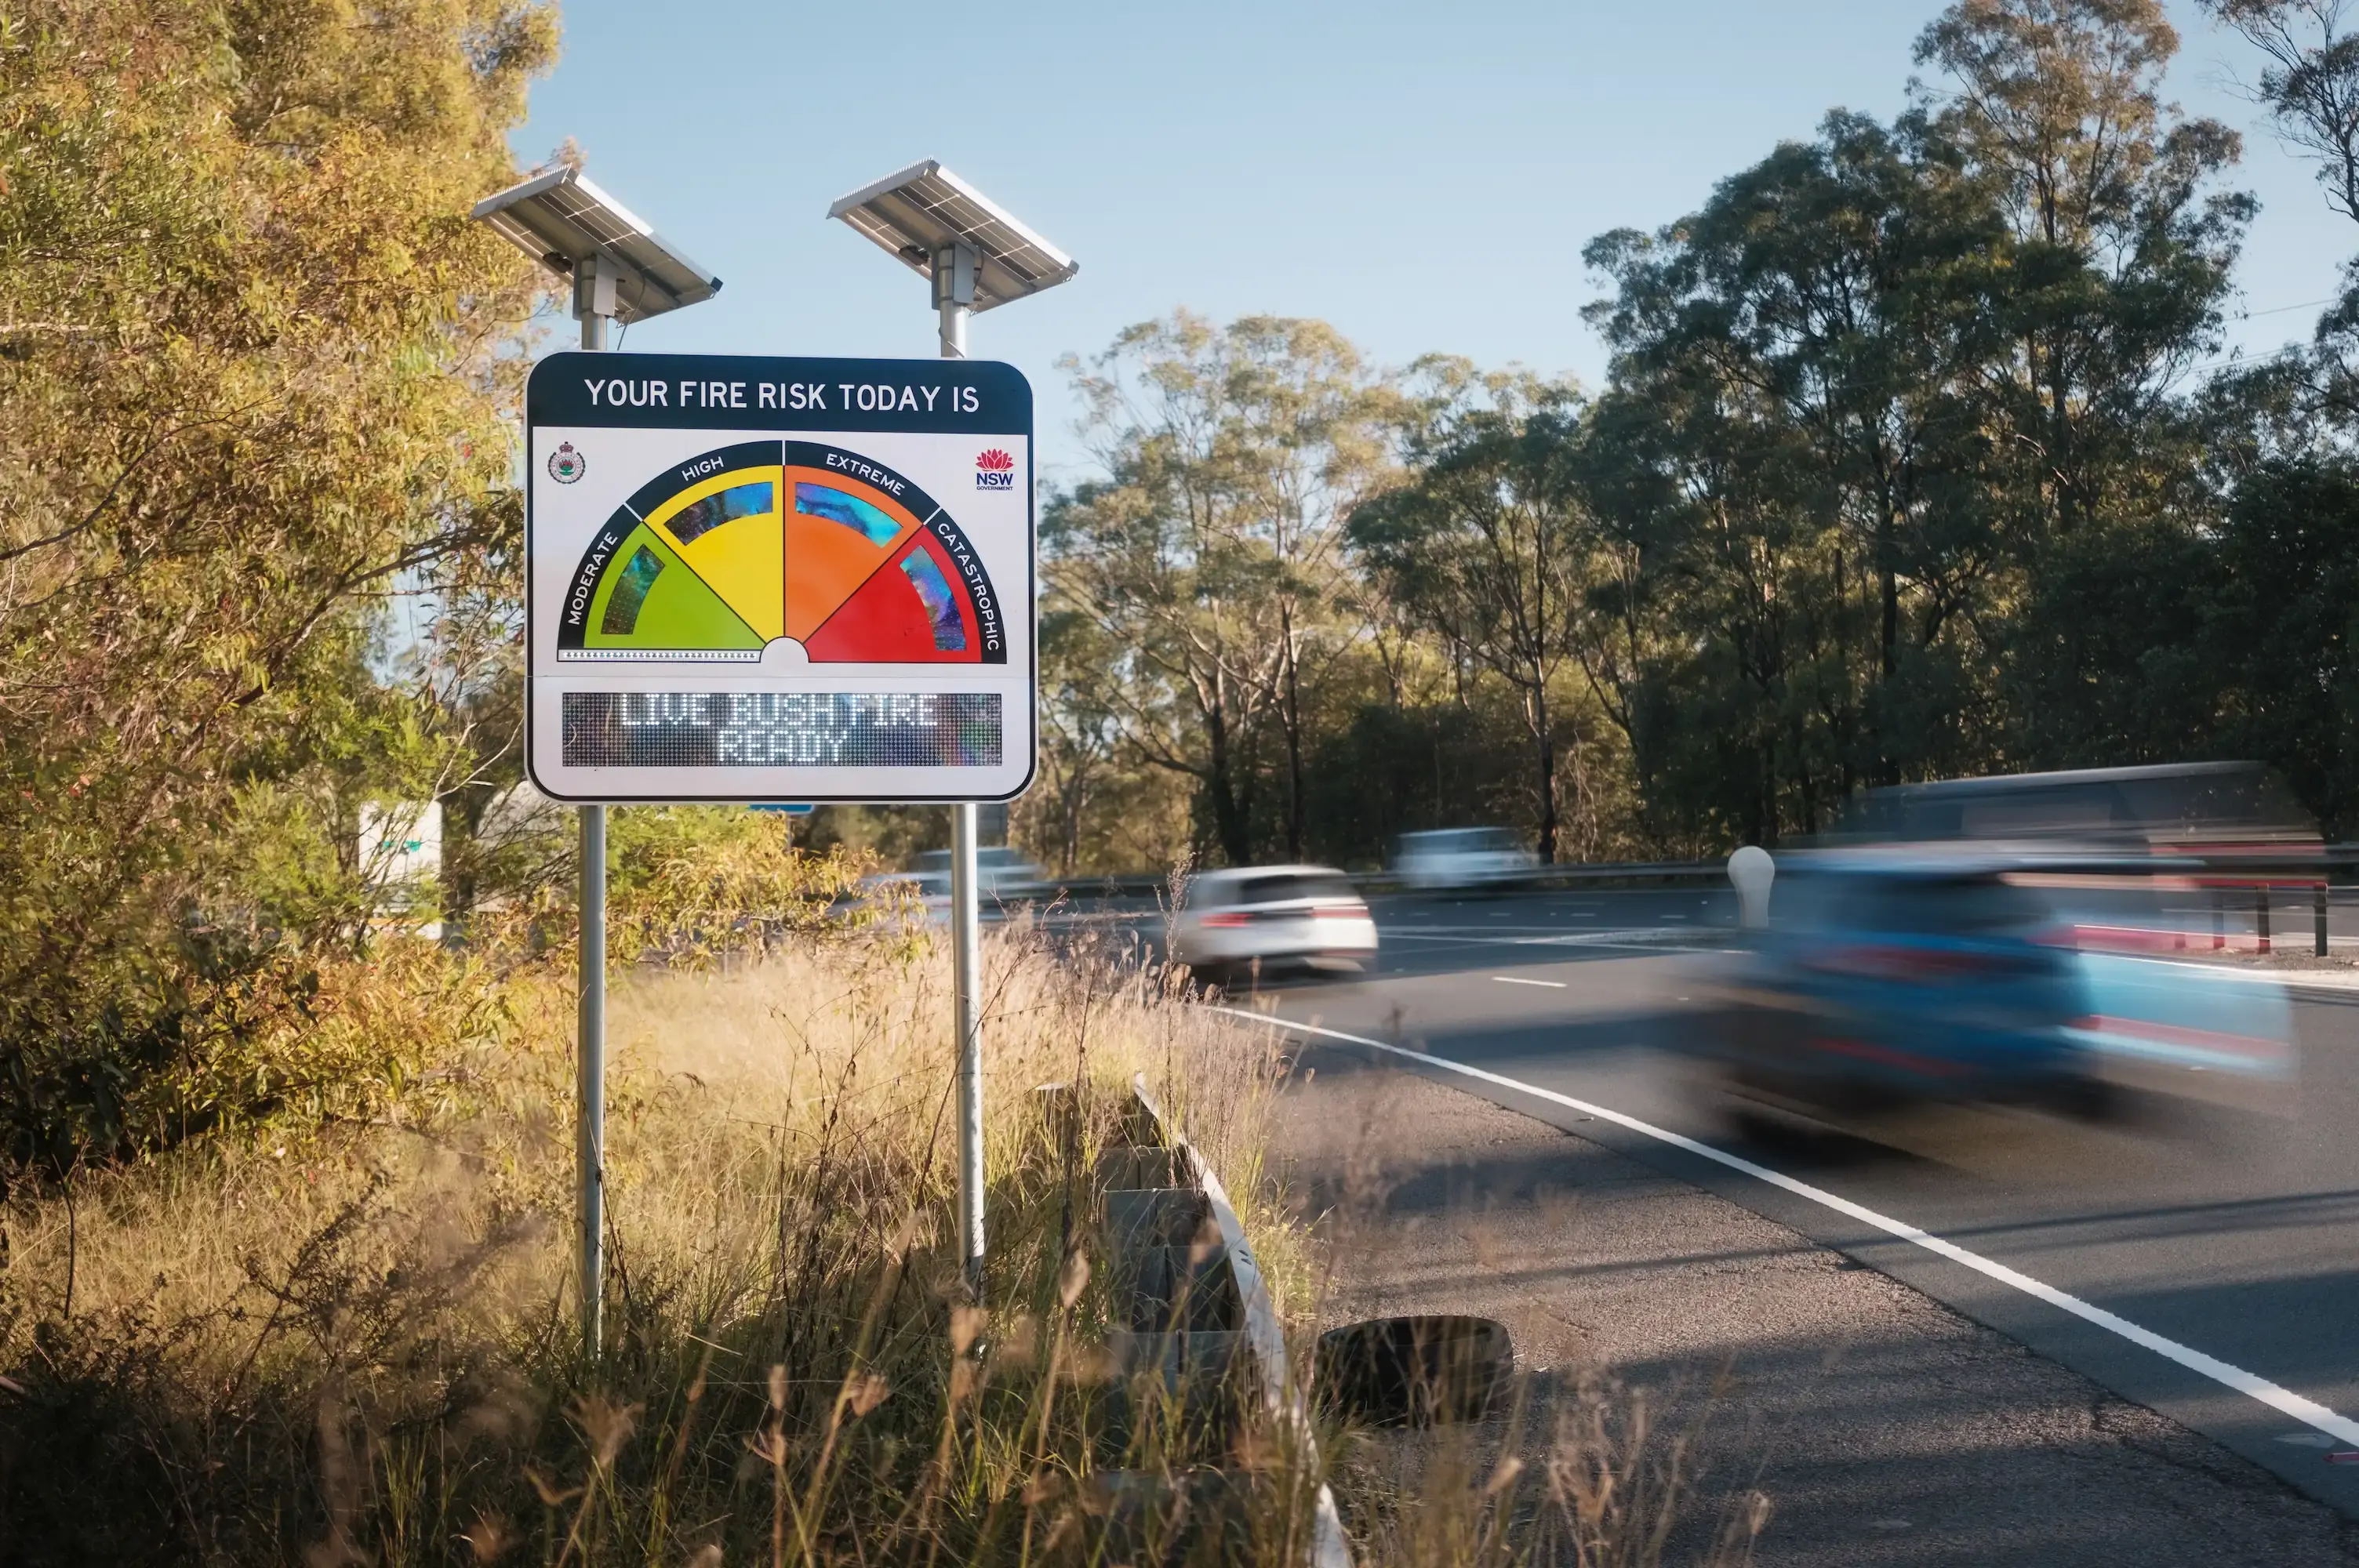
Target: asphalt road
(2235,1236)
(1884,1429)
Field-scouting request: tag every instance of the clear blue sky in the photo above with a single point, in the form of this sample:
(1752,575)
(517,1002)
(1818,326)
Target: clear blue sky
(1422,176)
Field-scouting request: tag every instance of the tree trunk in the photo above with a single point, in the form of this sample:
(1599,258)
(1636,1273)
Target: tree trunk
(1290,712)
(463,820)
(1229,825)
(1888,660)
(1807,786)
(2059,442)
(1070,850)
(1535,714)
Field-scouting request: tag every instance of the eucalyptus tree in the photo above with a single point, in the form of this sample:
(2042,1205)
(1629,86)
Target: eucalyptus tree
(1806,335)
(1312,440)
(1208,552)
(2121,243)
(1080,734)
(2310,85)
(1884,412)
(2120,240)
(1488,547)
(2311,88)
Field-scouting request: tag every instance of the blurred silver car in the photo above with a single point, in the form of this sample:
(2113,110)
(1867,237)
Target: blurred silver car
(1272,917)
(999,872)
(1452,858)
(1001,875)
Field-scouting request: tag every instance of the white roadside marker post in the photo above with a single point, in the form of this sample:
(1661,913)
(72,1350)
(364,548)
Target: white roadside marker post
(1751,870)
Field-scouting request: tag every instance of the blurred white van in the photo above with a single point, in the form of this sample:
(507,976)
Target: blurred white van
(1461,858)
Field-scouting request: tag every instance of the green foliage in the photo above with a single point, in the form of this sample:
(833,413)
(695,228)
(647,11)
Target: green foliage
(252,358)
(1904,468)
(1203,576)
(1491,546)
(696,883)
(1893,440)
(2281,630)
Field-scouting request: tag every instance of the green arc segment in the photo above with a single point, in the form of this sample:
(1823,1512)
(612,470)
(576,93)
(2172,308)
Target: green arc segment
(647,599)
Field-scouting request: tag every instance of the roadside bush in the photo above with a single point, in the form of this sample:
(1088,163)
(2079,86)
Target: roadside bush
(240,1027)
(253,367)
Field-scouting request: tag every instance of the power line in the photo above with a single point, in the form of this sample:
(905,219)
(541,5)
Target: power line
(2256,360)
(2281,309)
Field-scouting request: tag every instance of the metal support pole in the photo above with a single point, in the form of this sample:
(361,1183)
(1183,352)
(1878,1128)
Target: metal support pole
(954,269)
(966,960)
(589,1133)
(593,302)
(2318,911)
(2261,917)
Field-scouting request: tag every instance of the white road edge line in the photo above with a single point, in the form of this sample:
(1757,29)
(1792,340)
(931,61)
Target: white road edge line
(1520,980)
(2309,1412)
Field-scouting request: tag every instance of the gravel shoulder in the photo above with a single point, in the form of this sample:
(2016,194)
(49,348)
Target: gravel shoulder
(1885,1428)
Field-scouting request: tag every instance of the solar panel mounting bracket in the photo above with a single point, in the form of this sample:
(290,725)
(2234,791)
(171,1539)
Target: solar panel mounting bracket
(925,214)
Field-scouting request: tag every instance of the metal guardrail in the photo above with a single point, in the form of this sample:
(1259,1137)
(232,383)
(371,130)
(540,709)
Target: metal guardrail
(2299,867)
(2262,874)
(1569,874)
(1581,873)
(1174,1234)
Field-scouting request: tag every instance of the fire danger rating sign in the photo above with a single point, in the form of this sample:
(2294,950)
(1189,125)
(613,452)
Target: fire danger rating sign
(779,579)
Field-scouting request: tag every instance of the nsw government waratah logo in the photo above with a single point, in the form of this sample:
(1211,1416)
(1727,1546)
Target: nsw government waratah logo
(566,465)
(994,469)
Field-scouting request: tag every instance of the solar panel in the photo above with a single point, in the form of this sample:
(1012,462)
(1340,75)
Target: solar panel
(915,212)
(565,220)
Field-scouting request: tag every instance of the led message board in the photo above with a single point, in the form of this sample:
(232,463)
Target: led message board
(758,579)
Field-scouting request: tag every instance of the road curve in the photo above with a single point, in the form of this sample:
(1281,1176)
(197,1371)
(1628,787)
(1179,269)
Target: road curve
(2198,1263)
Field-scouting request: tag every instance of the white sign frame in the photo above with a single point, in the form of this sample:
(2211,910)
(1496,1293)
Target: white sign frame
(661,666)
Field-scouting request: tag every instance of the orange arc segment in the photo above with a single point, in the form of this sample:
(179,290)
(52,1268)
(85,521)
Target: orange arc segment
(827,560)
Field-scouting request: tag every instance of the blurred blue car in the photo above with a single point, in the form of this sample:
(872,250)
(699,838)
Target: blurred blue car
(1892,977)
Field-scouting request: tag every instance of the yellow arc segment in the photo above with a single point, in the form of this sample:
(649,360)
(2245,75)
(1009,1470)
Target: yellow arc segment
(744,559)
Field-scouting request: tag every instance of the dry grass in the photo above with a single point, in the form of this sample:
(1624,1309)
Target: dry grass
(357,1345)
(1588,1475)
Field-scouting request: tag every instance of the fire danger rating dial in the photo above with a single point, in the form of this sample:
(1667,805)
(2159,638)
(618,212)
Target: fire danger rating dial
(715,558)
